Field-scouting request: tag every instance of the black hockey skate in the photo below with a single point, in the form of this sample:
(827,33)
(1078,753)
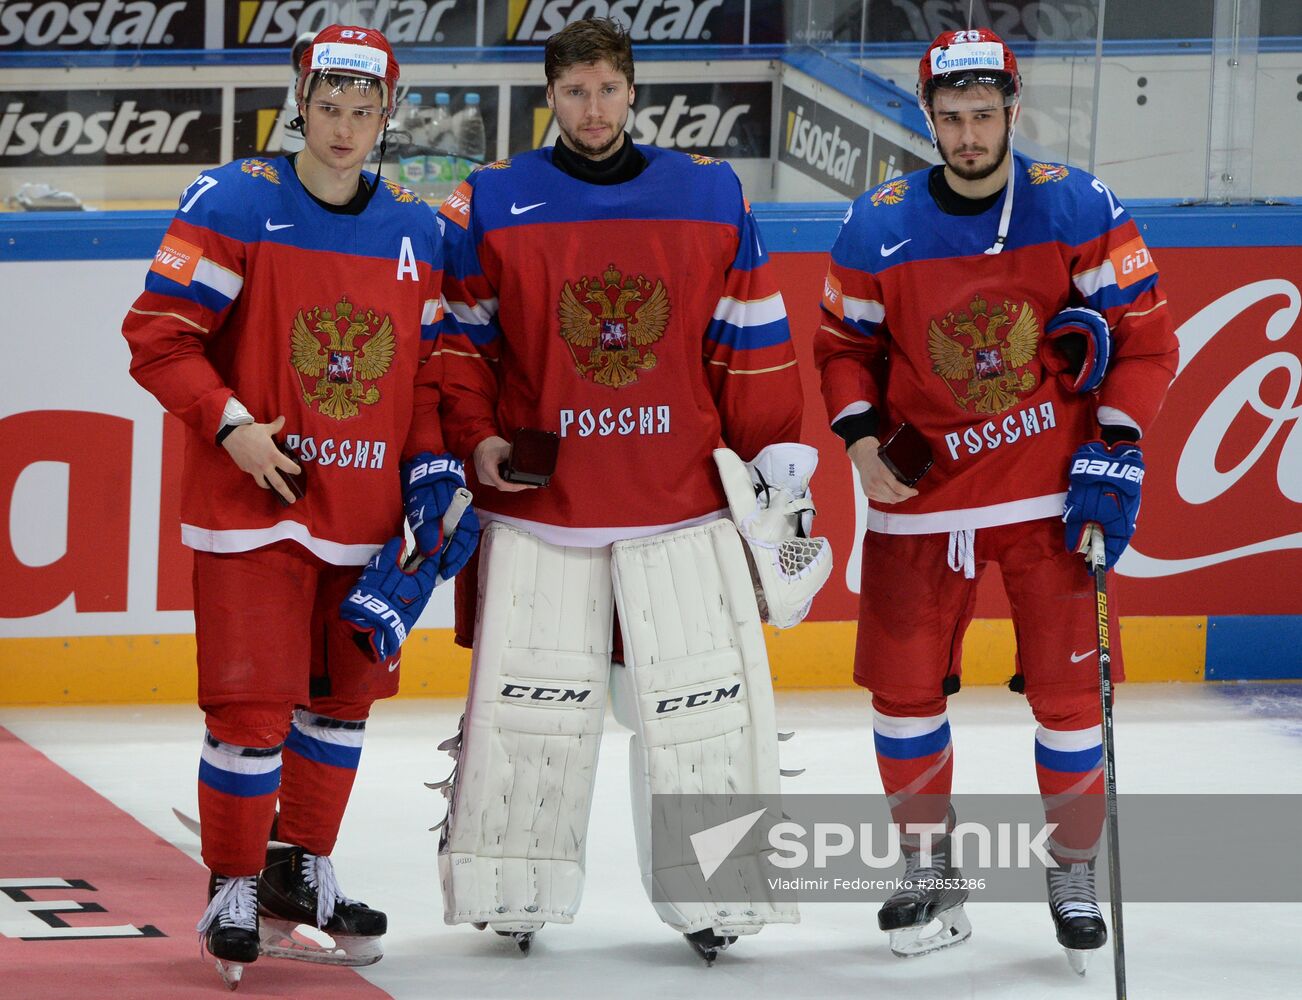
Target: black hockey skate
(708,944)
(523,939)
(229,926)
(1074,904)
(928,894)
(305,916)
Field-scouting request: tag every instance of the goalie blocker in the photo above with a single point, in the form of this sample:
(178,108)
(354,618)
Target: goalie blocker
(512,852)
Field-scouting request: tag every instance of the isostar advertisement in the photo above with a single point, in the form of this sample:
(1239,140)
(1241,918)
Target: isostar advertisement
(66,128)
(726,120)
(260,120)
(649,22)
(836,151)
(66,25)
(824,145)
(276,23)
(262,115)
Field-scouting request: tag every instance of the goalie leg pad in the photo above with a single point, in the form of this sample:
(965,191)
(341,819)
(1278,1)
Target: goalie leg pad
(512,850)
(696,691)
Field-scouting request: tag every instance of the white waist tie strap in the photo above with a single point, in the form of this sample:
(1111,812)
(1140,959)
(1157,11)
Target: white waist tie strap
(962,544)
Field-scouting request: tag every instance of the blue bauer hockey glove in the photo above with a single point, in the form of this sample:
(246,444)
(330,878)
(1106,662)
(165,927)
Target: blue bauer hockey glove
(1104,489)
(387,600)
(429,482)
(1076,348)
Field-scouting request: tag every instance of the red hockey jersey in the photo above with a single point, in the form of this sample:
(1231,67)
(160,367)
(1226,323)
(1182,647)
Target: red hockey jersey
(639,321)
(328,319)
(921,323)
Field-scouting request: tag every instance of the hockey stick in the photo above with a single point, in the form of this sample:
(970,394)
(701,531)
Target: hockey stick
(1098,563)
(451,517)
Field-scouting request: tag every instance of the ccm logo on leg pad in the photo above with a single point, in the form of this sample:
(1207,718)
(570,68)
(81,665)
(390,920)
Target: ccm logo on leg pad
(698,699)
(543,693)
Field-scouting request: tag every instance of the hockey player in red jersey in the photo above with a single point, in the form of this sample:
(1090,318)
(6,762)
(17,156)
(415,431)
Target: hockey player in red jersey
(289,320)
(1008,312)
(617,297)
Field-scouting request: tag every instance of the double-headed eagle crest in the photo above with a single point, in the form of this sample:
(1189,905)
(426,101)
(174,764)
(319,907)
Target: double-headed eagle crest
(968,352)
(613,319)
(323,344)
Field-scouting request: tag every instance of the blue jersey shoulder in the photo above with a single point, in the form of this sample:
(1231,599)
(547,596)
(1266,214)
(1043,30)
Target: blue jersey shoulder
(1075,204)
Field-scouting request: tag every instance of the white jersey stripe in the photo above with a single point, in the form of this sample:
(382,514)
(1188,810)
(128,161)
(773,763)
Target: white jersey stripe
(863,310)
(218,278)
(480,314)
(753,312)
(246,539)
(1090,282)
(944,521)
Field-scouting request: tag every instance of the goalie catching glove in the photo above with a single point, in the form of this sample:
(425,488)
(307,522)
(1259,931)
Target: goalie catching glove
(771,505)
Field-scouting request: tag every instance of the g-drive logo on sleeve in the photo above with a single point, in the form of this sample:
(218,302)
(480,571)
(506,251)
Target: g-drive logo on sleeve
(967,55)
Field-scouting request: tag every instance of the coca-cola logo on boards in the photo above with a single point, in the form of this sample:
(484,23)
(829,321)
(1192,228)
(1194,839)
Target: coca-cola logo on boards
(1197,478)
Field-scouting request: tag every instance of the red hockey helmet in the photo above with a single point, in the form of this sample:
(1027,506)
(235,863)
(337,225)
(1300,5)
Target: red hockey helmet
(347,50)
(963,58)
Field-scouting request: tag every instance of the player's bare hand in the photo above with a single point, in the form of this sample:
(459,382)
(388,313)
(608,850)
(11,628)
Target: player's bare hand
(490,454)
(253,448)
(879,484)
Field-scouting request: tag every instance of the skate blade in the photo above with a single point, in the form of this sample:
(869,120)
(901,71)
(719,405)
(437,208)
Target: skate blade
(955,928)
(231,973)
(301,943)
(1078,959)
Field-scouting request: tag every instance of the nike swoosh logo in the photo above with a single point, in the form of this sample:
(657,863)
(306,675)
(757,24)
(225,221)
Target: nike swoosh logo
(1077,657)
(886,252)
(520,210)
(394,665)
(283,225)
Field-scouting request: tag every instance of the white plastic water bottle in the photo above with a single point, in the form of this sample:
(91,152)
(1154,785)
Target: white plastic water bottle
(413,119)
(411,132)
(440,123)
(471,140)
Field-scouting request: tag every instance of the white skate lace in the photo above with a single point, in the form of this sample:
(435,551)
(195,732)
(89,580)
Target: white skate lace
(915,874)
(319,873)
(1071,892)
(234,904)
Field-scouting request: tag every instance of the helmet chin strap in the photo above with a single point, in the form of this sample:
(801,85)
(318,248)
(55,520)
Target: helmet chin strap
(384,145)
(1006,215)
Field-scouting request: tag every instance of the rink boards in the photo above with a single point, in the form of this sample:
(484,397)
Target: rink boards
(95,585)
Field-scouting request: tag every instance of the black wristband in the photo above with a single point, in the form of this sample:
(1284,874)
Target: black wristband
(856,426)
(225,432)
(1117,433)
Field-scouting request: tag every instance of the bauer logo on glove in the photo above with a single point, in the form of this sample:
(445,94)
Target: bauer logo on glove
(387,600)
(1104,487)
(393,589)
(430,485)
